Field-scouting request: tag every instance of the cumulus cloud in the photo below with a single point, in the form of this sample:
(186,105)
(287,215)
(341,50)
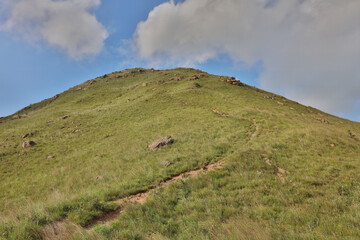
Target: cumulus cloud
(310,48)
(66,24)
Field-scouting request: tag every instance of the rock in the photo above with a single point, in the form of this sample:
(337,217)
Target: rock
(323,120)
(105,76)
(197,85)
(280,103)
(76,131)
(15,117)
(92,82)
(50,157)
(332,145)
(238,83)
(269,97)
(25,135)
(28,144)
(160,143)
(99,177)
(64,117)
(166,163)
(351,135)
(79,88)
(194,77)
(220,113)
(144,84)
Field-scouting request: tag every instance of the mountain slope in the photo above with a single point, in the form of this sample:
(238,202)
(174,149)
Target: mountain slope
(288,171)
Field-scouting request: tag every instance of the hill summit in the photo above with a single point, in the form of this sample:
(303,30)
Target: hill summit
(177,154)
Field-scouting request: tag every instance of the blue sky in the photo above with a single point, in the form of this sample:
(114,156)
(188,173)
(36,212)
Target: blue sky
(43,51)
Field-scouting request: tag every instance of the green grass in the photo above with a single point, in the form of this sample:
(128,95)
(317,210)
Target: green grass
(108,158)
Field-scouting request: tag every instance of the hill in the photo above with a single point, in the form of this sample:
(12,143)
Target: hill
(243,164)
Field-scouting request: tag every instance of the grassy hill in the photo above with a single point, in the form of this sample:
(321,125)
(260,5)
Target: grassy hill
(284,170)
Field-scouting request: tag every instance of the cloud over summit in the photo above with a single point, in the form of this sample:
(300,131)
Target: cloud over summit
(310,48)
(66,24)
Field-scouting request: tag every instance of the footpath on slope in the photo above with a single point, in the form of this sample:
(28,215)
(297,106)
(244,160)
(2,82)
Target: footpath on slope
(58,230)
(141,197)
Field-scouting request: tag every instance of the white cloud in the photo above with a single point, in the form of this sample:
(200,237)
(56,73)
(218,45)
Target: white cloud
(310,48)
(65,24)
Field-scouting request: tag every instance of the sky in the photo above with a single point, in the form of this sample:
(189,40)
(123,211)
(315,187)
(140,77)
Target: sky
(305,50)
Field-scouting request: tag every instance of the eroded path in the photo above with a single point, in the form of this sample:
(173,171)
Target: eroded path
(141,197)
(255,133)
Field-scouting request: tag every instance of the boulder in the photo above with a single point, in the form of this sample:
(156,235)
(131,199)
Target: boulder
(166,163)
(197,85)
(64,117)
(161,143)
(25,135)
(28,144)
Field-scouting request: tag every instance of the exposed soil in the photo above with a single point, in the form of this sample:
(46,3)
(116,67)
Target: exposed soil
(255,133)
(220,113)
(281,173)
(140,198)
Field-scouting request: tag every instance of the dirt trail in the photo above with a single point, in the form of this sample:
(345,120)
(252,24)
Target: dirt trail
(141,198)
(255,133)
(281,173)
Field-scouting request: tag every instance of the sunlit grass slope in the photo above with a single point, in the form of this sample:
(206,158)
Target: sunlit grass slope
(289,172)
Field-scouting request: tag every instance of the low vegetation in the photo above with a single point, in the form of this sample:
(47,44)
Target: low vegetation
(289,171)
